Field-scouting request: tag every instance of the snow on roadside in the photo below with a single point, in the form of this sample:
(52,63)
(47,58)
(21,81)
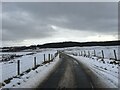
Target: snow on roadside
(108,51)
(9,69)
(107,72)
(34,77)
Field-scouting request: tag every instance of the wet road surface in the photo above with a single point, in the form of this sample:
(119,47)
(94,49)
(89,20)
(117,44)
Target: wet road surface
(68,74)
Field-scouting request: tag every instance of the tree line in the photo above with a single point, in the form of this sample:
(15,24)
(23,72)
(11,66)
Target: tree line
(61,45)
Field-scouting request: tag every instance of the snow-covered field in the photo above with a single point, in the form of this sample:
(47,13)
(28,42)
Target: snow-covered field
(107,50)
(9,69)
(105,68)
(6,56)
(34,77)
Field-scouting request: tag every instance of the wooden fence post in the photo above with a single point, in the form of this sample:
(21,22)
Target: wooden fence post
(102,54)
(88,53)
(44,57)
(18,67)
(115,55)
(34,62)
(84,53)
(94,53)
(81,53)
(49,58)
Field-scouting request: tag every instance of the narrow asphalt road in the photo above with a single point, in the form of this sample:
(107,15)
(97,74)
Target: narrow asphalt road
(68,74)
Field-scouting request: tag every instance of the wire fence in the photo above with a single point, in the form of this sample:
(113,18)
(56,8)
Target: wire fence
(20,65)
(112,54)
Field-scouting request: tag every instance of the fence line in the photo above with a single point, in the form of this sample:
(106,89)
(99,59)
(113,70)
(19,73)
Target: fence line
(104,54)
(20,66)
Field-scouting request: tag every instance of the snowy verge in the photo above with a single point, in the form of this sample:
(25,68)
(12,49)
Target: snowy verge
(105,73)
(34,77)
(9,69)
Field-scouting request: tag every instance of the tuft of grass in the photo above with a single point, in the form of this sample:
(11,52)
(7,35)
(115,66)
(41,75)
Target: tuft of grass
(112,66)
(21,74)
(105,68)
(8,80)
(13,85)
(27,77)
(18,83)
(28,71)
(47,61)
(114,62)
(36,71)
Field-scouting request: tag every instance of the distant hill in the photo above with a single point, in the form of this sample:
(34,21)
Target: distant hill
(61,45)
(79,44)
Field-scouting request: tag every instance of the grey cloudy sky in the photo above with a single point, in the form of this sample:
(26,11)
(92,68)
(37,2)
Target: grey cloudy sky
(27,23)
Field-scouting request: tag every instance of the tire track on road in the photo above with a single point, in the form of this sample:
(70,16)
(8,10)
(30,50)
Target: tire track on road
(68,74)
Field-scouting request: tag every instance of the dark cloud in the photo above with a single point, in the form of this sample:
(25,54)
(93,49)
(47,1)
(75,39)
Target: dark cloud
(20,25)
(26,20)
